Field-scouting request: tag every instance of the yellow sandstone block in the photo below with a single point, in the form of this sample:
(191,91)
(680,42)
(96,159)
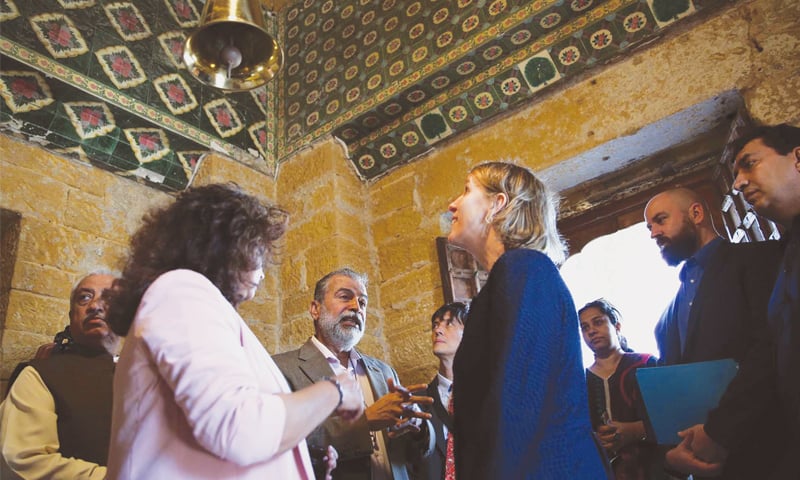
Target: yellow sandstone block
(34,313)
(32,194)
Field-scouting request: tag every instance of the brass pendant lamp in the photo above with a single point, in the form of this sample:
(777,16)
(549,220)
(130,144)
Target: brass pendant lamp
(231,49)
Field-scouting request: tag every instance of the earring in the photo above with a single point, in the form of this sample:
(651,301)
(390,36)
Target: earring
(489,219)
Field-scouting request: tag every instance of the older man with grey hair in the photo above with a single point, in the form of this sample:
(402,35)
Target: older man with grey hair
(391,431)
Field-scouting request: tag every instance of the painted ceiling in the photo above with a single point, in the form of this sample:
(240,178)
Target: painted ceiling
(104,81)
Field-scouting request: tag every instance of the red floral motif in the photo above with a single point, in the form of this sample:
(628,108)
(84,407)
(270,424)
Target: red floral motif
(223,117)
(91,117)
(262,137)
(601,39)
(58,34)
(176,93)
(25,88)
(129,20)
(176,47)
(149,142)
(550,20)
(182,9)
(122,66)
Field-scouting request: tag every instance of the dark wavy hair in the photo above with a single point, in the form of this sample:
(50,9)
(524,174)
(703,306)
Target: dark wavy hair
(216,230)
(613,315)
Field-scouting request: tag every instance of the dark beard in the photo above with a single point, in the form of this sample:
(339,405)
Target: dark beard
(681,247)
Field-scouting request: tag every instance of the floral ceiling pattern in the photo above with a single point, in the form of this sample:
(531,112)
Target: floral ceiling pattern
(392,78)
(104,80)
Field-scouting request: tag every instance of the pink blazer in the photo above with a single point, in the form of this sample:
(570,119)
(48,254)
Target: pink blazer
(194,392)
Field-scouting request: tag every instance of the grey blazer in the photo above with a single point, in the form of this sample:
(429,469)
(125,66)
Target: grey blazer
(307,365)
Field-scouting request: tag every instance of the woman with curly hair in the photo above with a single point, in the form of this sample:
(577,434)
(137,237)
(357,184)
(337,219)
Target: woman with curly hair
(519,398)
(195,393)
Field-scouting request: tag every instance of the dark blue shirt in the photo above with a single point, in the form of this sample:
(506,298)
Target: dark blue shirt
(691,274)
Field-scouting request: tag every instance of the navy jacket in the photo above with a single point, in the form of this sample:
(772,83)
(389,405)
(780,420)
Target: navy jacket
(520,401)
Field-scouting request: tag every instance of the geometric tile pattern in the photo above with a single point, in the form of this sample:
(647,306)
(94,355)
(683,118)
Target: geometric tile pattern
(90,119)
(24,91)
(175,93)
(127,21)
(59,35)
(127,56)
(389,78)
(8,10)
(392,78)
(121,66)
(149,144)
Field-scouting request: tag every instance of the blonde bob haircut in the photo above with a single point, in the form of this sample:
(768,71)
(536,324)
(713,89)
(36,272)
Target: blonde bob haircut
(529,218)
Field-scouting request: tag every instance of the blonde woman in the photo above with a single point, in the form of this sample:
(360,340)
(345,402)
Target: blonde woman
(519,387)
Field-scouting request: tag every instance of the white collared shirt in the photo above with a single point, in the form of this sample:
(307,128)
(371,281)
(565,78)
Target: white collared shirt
(381,468)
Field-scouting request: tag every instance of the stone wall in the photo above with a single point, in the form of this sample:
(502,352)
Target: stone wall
(76,219)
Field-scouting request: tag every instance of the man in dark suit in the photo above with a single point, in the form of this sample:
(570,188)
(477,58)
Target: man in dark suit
(393,429)
(447,328)
(719,312)
(767,172)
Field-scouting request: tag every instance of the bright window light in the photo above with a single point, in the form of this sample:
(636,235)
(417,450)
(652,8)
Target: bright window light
(626,269)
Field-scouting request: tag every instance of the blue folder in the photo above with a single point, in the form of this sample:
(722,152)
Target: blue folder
(680,396)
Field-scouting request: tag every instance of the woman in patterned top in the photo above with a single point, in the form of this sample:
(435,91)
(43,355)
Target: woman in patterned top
(615,404)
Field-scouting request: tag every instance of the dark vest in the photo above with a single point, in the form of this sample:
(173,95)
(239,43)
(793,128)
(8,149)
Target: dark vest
(81,386)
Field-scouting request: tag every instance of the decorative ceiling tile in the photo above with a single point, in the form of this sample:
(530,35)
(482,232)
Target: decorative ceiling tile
(539,71)
(668,11)
(184,13)
(128,22)
(121,66)
(190,161)
(223,117)
(172,44)
(8,10)
(24,91)
(175,93)
(58,35)
(90,119)
(76,4)
(148,144)
(365,71)
(433,126)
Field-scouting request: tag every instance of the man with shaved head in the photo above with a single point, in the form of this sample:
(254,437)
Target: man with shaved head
(719,311)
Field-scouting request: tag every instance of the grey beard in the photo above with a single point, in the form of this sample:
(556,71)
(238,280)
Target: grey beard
(345,339)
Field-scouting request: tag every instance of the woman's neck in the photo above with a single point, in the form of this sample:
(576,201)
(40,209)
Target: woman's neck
(493,249)
(605,364)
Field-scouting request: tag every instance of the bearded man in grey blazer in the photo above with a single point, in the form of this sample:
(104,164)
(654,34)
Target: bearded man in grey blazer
(393,429)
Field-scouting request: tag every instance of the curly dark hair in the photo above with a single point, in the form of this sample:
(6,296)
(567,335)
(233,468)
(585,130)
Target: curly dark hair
(216,230)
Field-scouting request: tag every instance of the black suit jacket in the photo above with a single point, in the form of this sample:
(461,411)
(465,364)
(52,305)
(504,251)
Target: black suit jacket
(432,467)
(728,319)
